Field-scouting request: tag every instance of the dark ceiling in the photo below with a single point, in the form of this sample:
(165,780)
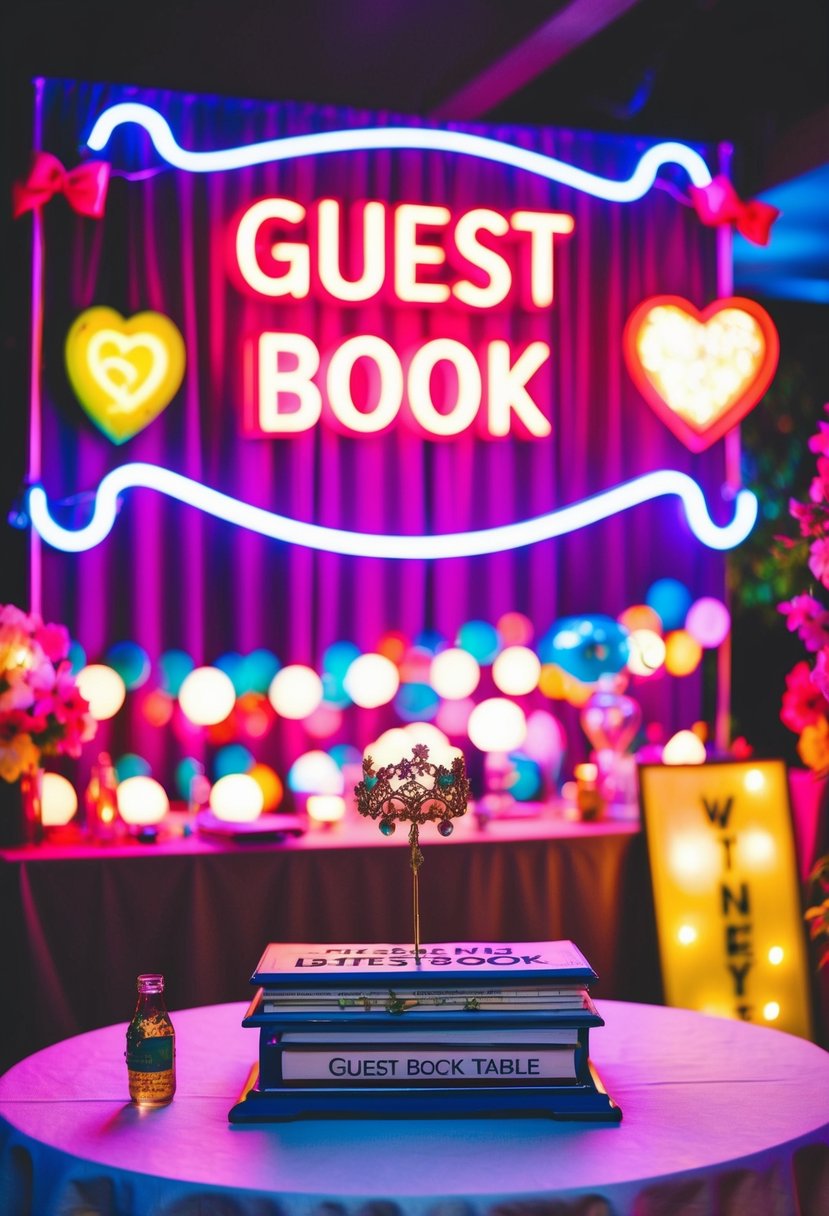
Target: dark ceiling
(746,71)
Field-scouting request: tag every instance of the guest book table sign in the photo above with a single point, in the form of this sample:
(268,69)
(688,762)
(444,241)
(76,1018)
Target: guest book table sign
(451,1029)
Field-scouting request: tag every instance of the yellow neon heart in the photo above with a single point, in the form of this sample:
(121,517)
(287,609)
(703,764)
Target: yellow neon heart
(124,371)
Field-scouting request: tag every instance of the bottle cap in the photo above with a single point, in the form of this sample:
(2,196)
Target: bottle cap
(151,982)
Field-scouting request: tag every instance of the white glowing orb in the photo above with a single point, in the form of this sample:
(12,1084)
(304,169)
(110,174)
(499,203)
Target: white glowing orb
(371,680)
(756,849)
(295,691)
(776,955)
(142,801)
(684,748)
(497,725)
(325,808)
(516,671)
(59,800)
(390,747)
(754,781)
(647,652)
(206,696)
(771,1011)
(315,772)
(686,935)
(694,861)
(103,688)
(237,798)
(454,673)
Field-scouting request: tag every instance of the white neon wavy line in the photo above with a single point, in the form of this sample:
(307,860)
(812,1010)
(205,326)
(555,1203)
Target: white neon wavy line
(359,544)
(423,138)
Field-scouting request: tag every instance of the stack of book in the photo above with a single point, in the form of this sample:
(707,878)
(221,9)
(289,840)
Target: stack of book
(466,1028)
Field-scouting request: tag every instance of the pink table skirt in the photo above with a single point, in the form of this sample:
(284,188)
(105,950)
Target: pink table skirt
(721,1118)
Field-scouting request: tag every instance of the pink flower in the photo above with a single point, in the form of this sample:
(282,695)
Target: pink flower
(803,704)
(819,443)
(806,616)
(819,560)
(820,675)
(54,641)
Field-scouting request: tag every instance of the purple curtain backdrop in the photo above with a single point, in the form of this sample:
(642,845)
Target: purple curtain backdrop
(169,576)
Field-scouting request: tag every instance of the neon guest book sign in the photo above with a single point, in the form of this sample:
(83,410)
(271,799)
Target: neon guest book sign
(385,289)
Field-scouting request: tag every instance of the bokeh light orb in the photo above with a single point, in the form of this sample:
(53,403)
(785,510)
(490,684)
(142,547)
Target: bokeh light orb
(586,647)
(371,681)
(59,800)
(516,671)
(258,669)
(515,629)
(131,765)
(454,673)
(683,653)
(393,645)
(270,785)
(315,772)
(640,616)
(232,664)
(131,662)
(186,770)
(324,722)
(526,781)
(545,741)
(497,725)
(325,808)
(76,657)
(237,798)
(295,691)
(174,666)
(103,688)
(670,599)
(453,716)
(413,702)
(142,801)
(206,696)
(684,748)
(647,652)
(709,621)
(416,665)
(481,640)
(232,758)
(338,657)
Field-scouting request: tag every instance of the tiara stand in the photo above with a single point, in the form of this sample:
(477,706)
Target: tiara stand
(414,791)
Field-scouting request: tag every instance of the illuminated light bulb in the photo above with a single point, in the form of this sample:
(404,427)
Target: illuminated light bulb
(295,691)
(454,673)
(270,785)
(754,781)
(142,801)
(516,671)
(776,955)
(237,798)
(686,935)
(684,748)
(59,800)
(693,861)
(497,725)
(371,681)
(771,1011)
(103,688)
(756,849)
(641,616)
(157,707)
(647,652)
(315,772)
(325,808)
(206,696)
(709,621)
(453,716)
(683,653)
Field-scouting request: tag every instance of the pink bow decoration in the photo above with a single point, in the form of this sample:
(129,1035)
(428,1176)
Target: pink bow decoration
(85,186)
(718,203)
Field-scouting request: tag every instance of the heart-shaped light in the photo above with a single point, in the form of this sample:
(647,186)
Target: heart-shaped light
(701,372)
(124,371)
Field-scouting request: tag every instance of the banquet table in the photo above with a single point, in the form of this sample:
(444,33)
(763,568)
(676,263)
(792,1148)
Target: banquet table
(81,921)
(719,1117)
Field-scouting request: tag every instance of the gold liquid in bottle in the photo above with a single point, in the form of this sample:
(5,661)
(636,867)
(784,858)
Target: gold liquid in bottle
(151,1046)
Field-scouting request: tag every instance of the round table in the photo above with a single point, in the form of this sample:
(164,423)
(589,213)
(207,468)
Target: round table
(719,1116)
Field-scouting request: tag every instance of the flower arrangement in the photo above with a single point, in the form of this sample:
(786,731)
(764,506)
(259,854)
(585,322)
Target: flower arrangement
(805,704)
(42,712)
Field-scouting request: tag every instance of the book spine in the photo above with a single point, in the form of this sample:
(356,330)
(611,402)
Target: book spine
(429,1066)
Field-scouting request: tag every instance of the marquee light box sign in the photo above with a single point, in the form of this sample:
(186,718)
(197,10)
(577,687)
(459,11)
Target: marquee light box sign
(726,891)
(390,284)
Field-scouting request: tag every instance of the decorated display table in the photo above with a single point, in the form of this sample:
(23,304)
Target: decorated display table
(81,921)
(719,1117)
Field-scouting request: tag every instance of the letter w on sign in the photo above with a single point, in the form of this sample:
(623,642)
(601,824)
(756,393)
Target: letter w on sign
(718,816)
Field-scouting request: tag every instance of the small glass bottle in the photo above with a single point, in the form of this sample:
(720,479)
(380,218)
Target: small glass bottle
(101,799)
(151,1046)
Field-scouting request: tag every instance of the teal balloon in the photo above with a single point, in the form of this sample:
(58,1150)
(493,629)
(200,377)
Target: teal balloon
(480,639)
(526,782)
(416,702)
(338,657)
(257,669)
(234,758)
(670,600)
(77,657)
(175,666)
(131,662)
(130,765)
(586,647)
(186,770)
(232,664)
